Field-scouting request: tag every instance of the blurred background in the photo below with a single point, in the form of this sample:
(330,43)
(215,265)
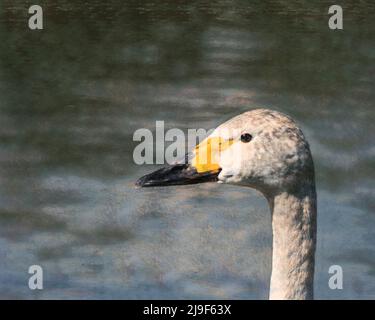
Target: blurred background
(72,95)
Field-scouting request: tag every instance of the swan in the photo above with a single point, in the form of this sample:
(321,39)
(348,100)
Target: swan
(265,150)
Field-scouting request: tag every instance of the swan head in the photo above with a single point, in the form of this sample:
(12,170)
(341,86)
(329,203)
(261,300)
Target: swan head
(261,148)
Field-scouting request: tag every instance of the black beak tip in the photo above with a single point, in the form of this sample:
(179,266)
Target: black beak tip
(179,174)
(142,182)
(138,184)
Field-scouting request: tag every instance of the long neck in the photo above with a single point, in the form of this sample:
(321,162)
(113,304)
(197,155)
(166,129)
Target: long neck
(294,240)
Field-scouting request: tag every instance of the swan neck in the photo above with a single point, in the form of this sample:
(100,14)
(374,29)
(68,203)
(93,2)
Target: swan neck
(294,241)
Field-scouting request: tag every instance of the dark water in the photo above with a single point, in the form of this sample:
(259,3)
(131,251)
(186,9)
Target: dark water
(72,95)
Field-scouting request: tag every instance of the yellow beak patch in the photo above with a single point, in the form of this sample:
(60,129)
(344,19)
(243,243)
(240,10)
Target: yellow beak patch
(207,154)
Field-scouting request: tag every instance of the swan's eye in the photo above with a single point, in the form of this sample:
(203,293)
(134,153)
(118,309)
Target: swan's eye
(246,137)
